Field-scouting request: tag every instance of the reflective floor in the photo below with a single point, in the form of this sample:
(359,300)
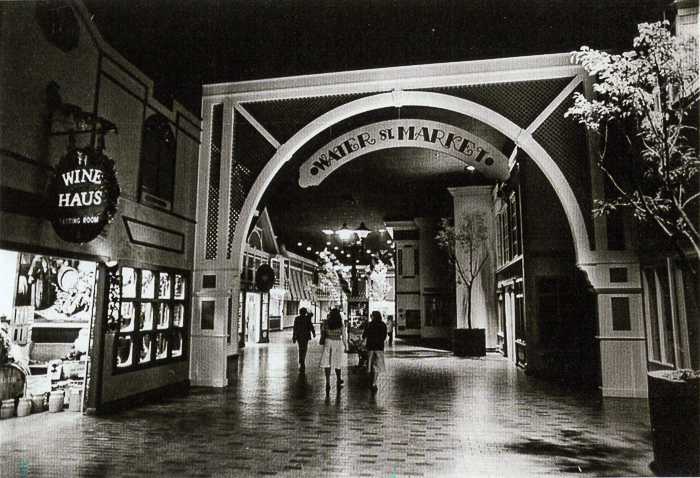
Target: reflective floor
(435,415)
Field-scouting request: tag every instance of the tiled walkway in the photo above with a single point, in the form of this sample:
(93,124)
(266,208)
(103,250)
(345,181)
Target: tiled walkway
(435,415)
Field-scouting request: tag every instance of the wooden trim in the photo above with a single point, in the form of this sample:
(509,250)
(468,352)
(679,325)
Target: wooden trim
(24,159)
(619,291)
(622,339)
(127,220)
(260,128)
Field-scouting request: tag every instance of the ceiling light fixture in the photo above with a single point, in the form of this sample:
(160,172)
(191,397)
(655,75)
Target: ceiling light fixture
(344,232)
(362,231)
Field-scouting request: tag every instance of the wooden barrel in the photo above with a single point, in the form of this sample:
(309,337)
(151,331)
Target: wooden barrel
(8,409)
(11,381)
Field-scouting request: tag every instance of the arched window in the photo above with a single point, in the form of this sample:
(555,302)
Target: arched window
(158,162)
(255,240)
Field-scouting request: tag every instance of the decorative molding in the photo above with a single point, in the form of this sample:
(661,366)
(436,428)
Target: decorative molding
(150,235)
(256,124)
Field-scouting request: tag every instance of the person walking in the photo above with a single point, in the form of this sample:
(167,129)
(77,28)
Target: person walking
(303,330)
(335,348)
(375,334)
(390,329)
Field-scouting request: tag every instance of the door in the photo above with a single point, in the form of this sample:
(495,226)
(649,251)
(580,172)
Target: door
(252,317)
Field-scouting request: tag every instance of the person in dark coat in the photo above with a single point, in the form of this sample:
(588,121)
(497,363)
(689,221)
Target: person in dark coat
(375,334)
(303,330)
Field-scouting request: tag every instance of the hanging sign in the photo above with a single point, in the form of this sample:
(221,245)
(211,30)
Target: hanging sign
(265,278)
(83,195)
(448,139)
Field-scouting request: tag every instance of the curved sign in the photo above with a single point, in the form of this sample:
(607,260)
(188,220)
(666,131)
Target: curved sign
(83,195)
(456,142)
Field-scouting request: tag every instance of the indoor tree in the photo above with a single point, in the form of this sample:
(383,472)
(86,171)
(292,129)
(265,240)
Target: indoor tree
(466,249)
(645,114)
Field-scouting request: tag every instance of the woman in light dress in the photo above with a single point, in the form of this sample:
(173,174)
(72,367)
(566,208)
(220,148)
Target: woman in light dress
(334,354)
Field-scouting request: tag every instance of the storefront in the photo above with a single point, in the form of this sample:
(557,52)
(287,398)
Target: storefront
(96,228)
(47,310)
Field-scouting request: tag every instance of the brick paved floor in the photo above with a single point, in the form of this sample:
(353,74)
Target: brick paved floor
(435,415)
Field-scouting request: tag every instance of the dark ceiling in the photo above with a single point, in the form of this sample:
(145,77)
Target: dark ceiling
(183,44)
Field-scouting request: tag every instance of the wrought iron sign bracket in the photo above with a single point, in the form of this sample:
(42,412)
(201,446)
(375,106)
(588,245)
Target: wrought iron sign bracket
(70,120)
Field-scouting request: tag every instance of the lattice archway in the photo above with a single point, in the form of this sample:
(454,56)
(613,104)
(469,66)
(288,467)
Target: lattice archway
(522,138)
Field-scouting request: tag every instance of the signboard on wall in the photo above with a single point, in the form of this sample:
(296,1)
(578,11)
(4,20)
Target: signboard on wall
(441,137)
(83,195)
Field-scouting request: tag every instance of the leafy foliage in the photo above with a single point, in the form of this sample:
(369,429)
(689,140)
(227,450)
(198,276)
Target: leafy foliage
(379,286)
(333,277)
(468,242)
(647,99)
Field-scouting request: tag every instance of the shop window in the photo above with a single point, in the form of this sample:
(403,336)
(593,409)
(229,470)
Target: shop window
(147,285)
(660,314)
(413,319)
(46,312)
(671,303)
(229,325)
(408,261)
(244,267)
(519,299)
(514,219)
(436,310)
(162,350)
(158,154)
(688,290)
(277,269)
(499,239)
(145,349)
(292,307)
(509,242)
(124,351)
(164,316)
(152,318)
(178,344)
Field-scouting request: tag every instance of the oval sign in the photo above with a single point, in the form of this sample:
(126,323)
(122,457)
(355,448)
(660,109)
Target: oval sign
(83,195)
(458,143)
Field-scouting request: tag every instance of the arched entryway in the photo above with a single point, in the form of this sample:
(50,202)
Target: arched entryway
(233,181)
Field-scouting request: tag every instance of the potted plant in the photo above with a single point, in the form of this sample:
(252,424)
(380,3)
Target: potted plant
(466,249)
(645,115)
(674,412)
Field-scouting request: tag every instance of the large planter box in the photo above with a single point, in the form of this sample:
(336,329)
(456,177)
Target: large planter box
(469,342)
(674,412)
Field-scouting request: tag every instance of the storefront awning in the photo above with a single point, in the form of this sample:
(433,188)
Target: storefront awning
(297,287)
